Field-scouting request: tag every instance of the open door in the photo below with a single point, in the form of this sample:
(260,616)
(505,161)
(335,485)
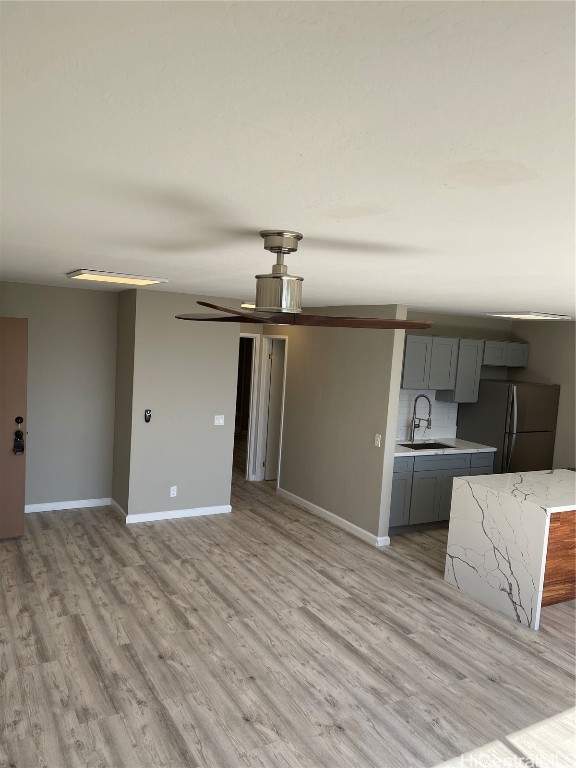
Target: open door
(275,409)
(13,375)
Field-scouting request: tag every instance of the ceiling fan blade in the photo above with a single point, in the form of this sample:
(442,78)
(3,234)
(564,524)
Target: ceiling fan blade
(331,321)
(321,321)
(239,316)
(216,318)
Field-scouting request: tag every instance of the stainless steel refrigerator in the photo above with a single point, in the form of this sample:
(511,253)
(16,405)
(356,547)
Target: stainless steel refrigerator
(517,418)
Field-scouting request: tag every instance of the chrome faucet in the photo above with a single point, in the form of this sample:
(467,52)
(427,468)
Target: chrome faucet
(415,418)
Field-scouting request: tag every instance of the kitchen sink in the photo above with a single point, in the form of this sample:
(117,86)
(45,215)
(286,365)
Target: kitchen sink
(425,446)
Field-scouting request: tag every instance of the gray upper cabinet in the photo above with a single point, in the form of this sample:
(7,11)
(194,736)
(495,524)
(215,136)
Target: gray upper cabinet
(495,353)
(513,354)
(429,362)
(517,354)
(470,356)
(417,359)
(443,363)
(452,366)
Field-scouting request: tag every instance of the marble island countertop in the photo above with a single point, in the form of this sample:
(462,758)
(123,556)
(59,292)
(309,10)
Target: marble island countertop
(455,445)
(499,537)
(553,490)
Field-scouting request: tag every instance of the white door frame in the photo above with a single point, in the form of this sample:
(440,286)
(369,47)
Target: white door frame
(263,402)
(259,396)
(252,447)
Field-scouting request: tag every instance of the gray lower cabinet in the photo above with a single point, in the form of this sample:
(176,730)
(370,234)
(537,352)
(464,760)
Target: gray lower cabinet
(425,496)
(482,464)
(445,500)
(401,495)
(422,485)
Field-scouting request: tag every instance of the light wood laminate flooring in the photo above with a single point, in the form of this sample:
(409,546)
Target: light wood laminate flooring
(265,638)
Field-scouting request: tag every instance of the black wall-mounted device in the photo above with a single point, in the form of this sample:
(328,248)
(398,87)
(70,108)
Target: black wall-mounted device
(18,446)
(147,415)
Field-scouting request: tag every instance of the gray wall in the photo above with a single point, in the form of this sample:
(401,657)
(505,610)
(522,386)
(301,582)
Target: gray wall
(186,374)
(340,392)
(126,331)
(392,396)
(464,326)
(71,372)
(552,361)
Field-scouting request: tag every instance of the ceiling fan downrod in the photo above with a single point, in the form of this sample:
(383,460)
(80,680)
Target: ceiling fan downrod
(279,291)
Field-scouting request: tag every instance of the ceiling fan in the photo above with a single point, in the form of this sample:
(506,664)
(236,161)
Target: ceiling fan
(279,297)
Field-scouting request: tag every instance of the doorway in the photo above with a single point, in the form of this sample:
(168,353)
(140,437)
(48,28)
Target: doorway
(259,406)
(243,403)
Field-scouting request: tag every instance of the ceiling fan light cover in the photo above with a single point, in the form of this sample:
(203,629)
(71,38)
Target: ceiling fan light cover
(278,293)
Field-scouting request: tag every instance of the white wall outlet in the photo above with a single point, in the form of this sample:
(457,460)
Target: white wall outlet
(218,421)
(173,491)
(377,440)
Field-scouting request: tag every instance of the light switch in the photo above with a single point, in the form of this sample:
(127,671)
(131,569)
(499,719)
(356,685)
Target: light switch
(377,440)
(218,421)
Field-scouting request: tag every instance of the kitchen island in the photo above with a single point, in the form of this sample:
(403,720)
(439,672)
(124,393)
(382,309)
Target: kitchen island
(511,541)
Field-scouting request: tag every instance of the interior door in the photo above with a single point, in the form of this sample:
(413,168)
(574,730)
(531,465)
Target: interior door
(275,403)
(13,374)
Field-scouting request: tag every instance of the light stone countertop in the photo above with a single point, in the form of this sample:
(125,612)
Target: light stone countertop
(498,537)
(553,490)
(455,446)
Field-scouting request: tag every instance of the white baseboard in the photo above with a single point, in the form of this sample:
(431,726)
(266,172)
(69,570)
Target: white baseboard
(56,505)
(147,517)
(346,525)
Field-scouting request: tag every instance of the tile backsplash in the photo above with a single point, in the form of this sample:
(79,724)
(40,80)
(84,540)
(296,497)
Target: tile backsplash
(444,415)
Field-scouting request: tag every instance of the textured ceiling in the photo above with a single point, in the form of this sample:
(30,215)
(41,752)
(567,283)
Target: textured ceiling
(430,143)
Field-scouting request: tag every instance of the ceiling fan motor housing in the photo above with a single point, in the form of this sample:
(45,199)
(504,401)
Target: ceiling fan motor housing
(279,291)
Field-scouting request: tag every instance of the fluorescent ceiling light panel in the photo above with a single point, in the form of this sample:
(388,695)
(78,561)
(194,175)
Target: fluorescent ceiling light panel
(529,315)
(248,305)
(114,277)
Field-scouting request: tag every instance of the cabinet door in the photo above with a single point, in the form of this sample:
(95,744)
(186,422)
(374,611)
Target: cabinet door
(400,502)
(482,460)
(495,352)
(425,496)
(443,363)
(445,500)
(470,357)
(517,354)
(417,357)
(403,464)
(481,470)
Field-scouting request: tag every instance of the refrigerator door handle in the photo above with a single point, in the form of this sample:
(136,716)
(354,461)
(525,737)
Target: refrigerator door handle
(512,437)
(511,444)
